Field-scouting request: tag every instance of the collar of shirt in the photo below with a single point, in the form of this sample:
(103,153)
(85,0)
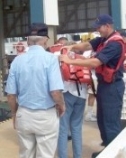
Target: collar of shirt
(34,47)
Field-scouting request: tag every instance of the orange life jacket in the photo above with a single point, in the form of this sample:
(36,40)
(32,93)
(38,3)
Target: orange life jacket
(71,72)
(55,48)
(75,73)
(108,73)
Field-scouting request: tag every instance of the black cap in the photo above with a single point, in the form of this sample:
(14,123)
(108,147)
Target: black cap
(38,29)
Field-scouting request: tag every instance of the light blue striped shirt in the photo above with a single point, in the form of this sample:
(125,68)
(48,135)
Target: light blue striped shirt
(32,76)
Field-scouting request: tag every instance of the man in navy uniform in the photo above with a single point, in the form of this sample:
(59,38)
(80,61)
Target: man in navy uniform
(109,50)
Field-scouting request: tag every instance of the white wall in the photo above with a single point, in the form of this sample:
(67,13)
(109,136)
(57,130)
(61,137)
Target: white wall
(123,14)
(51,12)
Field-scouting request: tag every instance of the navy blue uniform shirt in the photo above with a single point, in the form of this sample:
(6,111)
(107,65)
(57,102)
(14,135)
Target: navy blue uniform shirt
(109,55)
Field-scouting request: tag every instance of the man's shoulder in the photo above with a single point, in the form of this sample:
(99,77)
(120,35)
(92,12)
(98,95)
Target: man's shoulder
(97,41)
(51,55)
(18,58)
(115,44)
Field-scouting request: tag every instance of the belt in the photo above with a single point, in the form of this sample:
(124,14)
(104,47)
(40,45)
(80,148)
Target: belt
(36,109)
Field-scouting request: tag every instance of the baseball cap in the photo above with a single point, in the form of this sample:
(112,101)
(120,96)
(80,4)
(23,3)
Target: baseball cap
(103,20)
(123,34)
(38,29)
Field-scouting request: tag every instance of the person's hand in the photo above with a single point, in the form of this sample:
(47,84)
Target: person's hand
(68,48)
(60,110)
(65,58)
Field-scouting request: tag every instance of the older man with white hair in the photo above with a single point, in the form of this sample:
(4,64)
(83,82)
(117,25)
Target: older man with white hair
(35,82)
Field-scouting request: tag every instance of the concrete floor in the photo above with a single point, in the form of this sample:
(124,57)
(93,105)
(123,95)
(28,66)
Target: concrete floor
(9,143)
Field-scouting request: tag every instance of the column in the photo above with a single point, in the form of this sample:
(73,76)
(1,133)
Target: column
(1,50)
(123,14)
(116,13)
(45,11)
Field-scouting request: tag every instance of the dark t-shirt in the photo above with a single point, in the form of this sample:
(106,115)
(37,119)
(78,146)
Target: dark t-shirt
(109,55)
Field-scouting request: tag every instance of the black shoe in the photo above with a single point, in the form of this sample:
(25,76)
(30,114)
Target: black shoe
(69,138)
(94,155)
(103,144)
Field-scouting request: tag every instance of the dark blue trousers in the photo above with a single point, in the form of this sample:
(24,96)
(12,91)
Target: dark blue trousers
(109,107)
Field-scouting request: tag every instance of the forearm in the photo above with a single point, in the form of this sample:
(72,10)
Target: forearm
(12,103)
(58,97)
(82,46)
(94,62)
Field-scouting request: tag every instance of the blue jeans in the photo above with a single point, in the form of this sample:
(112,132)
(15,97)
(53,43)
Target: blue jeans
(73,119)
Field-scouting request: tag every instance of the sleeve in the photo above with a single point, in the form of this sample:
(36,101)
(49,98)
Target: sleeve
(54,75)
(112,51)
(11,86)
(95,43)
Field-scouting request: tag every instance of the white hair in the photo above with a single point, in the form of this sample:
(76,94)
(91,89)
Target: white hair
(33,40)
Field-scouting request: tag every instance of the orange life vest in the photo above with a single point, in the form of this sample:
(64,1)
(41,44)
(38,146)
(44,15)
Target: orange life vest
(75,73)
(108,73)
(71,72)
(55,48)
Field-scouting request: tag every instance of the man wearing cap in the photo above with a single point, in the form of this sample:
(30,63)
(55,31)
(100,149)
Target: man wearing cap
(35,82)
(108,63)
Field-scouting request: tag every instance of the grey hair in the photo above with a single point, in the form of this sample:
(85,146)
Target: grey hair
(33,40)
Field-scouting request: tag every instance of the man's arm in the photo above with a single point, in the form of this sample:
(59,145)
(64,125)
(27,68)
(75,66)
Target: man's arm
(59,100)
(83,46)
(80,46)
(11,89)
(93,62)
(13,106)
(12,103)
(57,96)
(111,51)
(56,84)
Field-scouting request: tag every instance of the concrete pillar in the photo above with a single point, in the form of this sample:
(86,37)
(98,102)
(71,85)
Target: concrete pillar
(116,13)
(1,50)
(44,14)
(52,35)
(1,36)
